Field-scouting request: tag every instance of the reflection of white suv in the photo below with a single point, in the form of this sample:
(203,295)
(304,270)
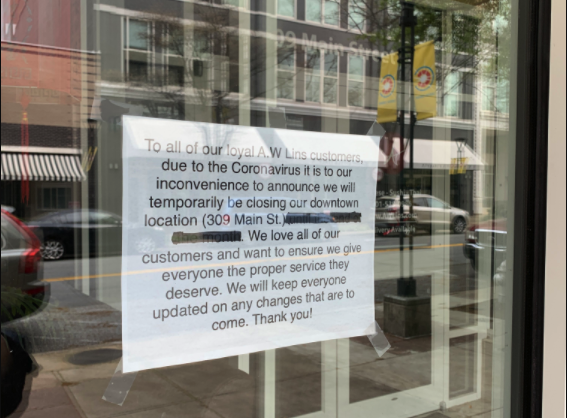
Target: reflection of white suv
(427,211)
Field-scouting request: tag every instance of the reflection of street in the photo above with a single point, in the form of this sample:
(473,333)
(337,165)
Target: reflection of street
(85,309)
(66,270)
(77,340)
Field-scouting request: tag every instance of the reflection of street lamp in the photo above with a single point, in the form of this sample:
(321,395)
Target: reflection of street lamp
(408,20)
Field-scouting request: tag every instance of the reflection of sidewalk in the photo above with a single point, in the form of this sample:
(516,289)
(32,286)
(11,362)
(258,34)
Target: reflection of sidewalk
(217,389)
(71,384)
(70,320)
(205,390)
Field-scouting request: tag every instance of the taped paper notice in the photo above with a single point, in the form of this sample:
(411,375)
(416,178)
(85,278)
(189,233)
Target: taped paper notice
(239,239)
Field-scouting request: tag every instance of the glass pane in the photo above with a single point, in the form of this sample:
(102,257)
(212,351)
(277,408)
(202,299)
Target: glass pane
(437,204)
(176,75)
(286,8)
(313,60)
(357,15)
(503,100)
(330,90)
(138,35)
(202,44)
(355,94)
(332,12)
(313,89)
(176,41)
(463,370)
(299,388)
(314,10)
(61,198)
(47,199)
(356,68)
(286,57)
(286,85)
(452,82)
(217,191)
(452,105)
(331,64)
(138,71)
(12,237)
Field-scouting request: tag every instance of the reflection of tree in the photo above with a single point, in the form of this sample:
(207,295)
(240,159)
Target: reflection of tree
(196,60)
(202,62)
(473,35)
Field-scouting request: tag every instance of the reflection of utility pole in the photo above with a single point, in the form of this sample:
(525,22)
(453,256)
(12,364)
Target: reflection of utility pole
(407,287)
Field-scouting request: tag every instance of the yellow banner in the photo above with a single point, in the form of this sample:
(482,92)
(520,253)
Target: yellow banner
(425,81)
(388,92)
(458,166)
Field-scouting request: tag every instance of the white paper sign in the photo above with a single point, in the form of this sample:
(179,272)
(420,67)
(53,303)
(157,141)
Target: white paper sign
(239,240)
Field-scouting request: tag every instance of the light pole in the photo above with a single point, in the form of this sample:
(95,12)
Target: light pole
(407,287)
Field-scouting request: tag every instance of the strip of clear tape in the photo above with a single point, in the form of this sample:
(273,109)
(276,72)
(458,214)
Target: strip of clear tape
(119,386)
(378,339)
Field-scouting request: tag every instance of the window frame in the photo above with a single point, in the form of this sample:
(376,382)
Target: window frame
(531,118)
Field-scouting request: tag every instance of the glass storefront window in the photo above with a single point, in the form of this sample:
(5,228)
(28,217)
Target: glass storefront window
(196,141)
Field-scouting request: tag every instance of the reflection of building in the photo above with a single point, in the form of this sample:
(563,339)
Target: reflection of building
(43,126)
(308,62)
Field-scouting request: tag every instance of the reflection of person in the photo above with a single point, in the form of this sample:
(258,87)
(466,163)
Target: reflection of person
(16,365)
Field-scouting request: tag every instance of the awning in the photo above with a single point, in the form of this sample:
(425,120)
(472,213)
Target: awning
(435,154)
(41,167)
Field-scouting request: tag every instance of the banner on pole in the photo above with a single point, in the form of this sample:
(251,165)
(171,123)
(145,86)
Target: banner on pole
(425,81)
(458,166)
(388,91)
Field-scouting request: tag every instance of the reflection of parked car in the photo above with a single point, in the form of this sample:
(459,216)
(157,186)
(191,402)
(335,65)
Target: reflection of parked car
(21,270)
(428,211)
(61,234)
(484,237)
